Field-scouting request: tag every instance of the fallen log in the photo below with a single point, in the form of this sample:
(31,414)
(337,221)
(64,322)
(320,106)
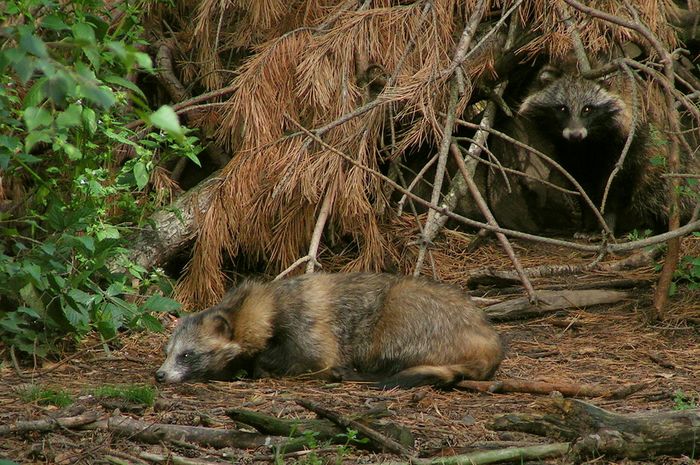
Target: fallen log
(323,428)
(171,230)
(49,424)
(510,454)
(538,387)
(155,433)
(597,432)
(549,301)
(377,438)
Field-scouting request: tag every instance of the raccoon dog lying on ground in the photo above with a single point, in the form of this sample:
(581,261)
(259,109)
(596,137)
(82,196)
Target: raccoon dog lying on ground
(396,331)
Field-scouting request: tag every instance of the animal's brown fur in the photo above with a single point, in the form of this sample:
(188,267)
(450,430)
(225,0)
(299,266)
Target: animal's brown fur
(395,330)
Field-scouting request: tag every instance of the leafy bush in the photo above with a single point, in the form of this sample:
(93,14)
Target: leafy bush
(66,95)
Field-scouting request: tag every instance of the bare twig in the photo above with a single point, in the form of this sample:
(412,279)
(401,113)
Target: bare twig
(491,220)
(318,231)
(510,454)
(628,141)
(428,233)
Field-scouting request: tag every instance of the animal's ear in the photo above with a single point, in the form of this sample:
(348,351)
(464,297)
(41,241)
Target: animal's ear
(547,75)
(222,328)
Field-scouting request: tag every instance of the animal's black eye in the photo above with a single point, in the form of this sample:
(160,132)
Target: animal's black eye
(187,355)
(563,109)
(587,109)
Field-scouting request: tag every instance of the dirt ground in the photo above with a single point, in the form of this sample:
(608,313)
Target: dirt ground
(611,346)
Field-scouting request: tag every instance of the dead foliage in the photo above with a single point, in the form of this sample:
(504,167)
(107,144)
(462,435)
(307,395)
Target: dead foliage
(312,64)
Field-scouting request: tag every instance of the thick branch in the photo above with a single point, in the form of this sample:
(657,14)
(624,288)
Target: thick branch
(549,301)
(600,432)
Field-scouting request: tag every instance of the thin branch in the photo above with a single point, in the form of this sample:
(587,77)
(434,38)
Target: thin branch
(579,49)
(481,203)
(430,229)
(318,231)
(628,141)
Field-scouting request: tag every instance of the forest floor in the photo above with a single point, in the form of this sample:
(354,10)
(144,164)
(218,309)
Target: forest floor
(611,346)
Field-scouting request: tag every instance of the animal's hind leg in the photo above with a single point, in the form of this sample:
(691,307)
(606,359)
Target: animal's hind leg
(435,375)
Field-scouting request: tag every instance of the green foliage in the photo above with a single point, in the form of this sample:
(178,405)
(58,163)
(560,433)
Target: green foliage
(683,401)
(140,394)
(688,272)
(636,235)
(67,94)
(45,396)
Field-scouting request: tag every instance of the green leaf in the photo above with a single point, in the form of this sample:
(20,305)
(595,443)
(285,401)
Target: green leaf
(58,86)
(84,33)
(76,315)
(93,57)
(87,242)
(34,271)
(53,22)
(24,68)
(33,44)
(36,94)
(140,174)
(151,323)
(31,297)
(120,81)
(158,303)
(102,96)
(35,137)
(89,120)
(35,117)
(70,117)
(115,289)
(72,151)
(165,118)
(109,232)
(83,297)
(144,61)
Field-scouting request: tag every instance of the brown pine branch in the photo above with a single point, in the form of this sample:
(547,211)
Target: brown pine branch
(608,248)
(544,388)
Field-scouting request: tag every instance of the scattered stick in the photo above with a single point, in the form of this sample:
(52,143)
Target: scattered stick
(318,231)
(373,435)
(597,432)
(324,429)
(537,387)
(177,460)
(50,424)
(549,301)
(511,454)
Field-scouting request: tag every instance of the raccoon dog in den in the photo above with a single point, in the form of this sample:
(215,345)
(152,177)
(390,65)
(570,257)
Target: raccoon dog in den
(392,330)
(588,126)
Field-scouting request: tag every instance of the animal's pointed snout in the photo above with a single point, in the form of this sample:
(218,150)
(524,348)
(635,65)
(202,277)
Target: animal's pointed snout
(576,134)
(160,376)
